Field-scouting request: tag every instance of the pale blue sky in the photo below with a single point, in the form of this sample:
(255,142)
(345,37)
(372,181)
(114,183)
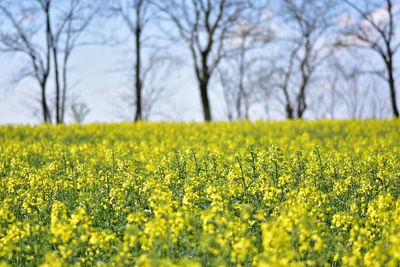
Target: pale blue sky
(99,84)
(101,87)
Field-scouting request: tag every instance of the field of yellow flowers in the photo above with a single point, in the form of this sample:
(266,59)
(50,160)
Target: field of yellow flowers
(294,193)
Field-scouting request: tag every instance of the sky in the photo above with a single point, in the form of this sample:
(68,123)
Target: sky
(100,77)
(98,82)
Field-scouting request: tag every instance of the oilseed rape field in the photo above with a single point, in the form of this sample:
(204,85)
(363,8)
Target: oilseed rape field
(292,193)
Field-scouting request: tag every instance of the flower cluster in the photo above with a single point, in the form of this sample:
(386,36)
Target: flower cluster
(294,193)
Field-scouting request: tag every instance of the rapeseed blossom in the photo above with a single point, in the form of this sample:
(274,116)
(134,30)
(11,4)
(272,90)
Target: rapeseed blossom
(294,193)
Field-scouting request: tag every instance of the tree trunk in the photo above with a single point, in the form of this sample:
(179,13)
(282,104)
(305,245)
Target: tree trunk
(138,81)
(289,112)
(57,84)
(204,99)
(239,105)
(44,106)
(301,103)
(45,109)
(64,89)
(305,75)
(241,95)
(50,46)
(392,87)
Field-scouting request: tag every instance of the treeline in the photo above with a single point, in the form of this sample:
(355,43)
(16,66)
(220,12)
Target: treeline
(321,57)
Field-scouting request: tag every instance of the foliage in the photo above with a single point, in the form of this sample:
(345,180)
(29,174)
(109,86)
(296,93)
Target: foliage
(294,193)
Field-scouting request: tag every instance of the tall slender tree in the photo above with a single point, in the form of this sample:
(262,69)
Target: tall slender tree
(137,15)
(204,25)
(306,51)
(20,34)
(46,32)
(74,17)
(375,29)
(239,75)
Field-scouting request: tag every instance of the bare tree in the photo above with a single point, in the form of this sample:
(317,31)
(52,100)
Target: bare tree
(136,14)
(204,25)
(242,83)
(352,94)
(19,35)
(79,111)
(379,108)
(375,29)
(325,101)
(328,99)
(347,91)
(156,71)
(44,32)
(150,58)
(357,90)
(322,100)
(74,18)
(306,51)
(239,76)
